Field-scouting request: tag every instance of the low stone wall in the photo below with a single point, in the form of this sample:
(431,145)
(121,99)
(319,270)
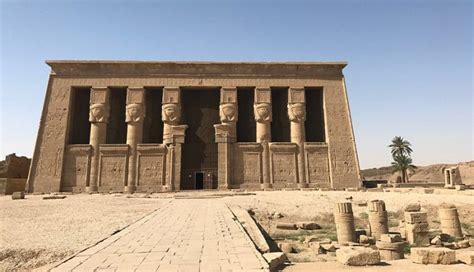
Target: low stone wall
(10,185)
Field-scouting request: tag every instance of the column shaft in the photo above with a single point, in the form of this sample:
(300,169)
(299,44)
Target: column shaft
(97,137)
(134,136)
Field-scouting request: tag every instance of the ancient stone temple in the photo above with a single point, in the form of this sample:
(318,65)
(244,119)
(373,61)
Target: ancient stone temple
(167,126)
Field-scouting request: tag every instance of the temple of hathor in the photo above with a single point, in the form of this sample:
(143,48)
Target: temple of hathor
(145,126)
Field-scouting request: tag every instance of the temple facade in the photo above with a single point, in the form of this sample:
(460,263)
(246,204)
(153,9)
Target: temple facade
(133,126)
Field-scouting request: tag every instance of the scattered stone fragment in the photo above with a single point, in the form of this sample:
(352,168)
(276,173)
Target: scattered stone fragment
(361,203)
(329,247)
(357,256)
(463,244)
(18,195)
(307,225)
(466,257)
(316,247)
(286,247)
(450,245)
(287,226)
(432,255)
(391,237)
(54,197)
(413,207)
(363,239)
(310,239)
(416,217)
(471,242)
(275,259)
(436,241)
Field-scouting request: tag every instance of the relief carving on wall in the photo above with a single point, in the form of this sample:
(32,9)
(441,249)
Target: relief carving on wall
(98,113)
(263,112)
(150,170)
(228,112)
(171,113)
(134,113)
(297,112)
(284,168)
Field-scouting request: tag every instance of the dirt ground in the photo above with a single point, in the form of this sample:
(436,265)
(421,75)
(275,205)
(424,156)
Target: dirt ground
(35,232)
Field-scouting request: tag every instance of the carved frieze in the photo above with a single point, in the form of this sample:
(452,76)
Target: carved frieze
(263,112)
(171,95)
(134,113)
(228,95)
(297,112)
(296,95)
(263,95)
(171,113)
(228,112)
(135,95)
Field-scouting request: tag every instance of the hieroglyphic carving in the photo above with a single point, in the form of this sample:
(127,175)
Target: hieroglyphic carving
(251,167)
(151,170)
(76,166)
(297,112)
(228,112)
(134,113)
(317,165)
(112,171)
(283,168)
(263,112)
(263,95)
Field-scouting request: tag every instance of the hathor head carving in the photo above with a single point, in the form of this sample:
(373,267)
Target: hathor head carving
(134,113)
(228,112)
(263,112)
(297,112)
(170,113)
(98,113)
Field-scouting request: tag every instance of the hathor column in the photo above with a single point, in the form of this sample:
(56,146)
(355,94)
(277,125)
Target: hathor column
(134,115)
(226,135)
(297,116)
(263,117)
(98,117)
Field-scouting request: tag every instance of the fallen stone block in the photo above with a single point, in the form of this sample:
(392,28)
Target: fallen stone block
(416,217)
(463,244)
(316,247)
(54,197)
(413,207)
(286,247)
(18,195)
(357,256)
(436,241)
(471,242)
(432,255)
(466,257)
(329,247)
(286,226)
(308,225)
(390,237)
(275,260)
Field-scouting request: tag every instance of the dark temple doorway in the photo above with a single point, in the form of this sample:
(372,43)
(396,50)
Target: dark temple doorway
(199,158)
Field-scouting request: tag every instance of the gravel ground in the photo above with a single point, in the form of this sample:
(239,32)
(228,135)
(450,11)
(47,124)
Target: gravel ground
(35,232)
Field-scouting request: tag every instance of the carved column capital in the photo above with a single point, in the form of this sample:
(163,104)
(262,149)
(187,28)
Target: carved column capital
(263,112)
(134,113)
(297,112)
(171,113)
(224,133)
(98,113)
(228,112)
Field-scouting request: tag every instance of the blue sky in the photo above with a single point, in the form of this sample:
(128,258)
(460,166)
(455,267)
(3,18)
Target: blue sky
(409,73)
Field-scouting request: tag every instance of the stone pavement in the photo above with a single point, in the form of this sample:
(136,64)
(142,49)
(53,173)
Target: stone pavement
(183,235)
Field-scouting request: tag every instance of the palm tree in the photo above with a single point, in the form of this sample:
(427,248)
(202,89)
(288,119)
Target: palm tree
(400,147)
(401,164)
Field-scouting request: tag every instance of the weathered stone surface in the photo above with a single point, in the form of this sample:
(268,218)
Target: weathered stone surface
(416,217)
(432,255)
(286,247)
(308,225)
(329,247)
(54,197)
(18,195)
(275,259)
(436,241)
(391,237)
(463,244)
(251,228)
(316,247)
(14,167)
(466,257)
(286,226)
(357,256)
(413,207)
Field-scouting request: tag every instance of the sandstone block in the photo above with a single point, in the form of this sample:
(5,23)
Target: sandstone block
(329,247)
(275,259)
(418,238)
(358,256)
(432,255)
(311,239)
(391,237)
(18,195)
(417,227)
(397,246)
(287,226)
(307,225)
(466,257)
(416,217)
(471,242)
(286,247)
(463,244)
(390,255)
(436,241)
(413,207)
(316,247)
